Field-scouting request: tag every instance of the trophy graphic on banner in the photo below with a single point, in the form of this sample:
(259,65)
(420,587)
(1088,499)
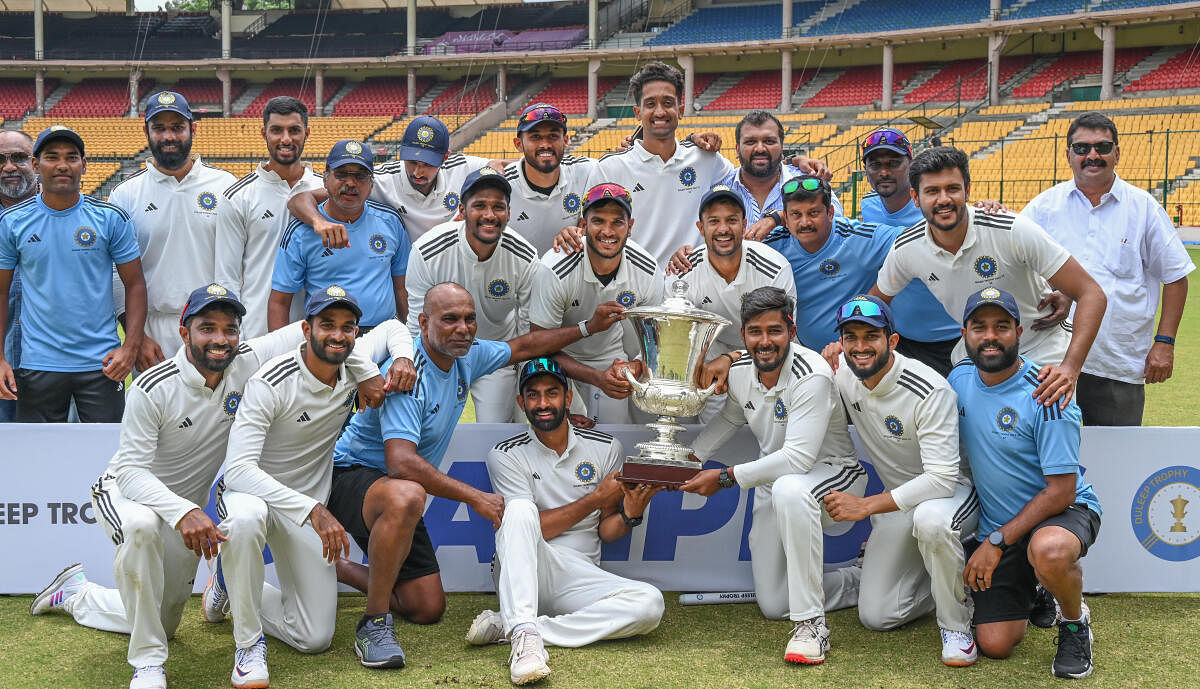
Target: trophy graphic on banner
(674,338)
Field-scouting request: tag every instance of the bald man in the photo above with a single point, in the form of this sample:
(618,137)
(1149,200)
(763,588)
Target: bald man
(18,182)
(390,458)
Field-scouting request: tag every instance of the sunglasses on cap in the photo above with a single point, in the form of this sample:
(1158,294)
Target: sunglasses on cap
(1102,147)
(806,182)
(859,307)
(608,190)
(886,136)
(543,113)
(540,365)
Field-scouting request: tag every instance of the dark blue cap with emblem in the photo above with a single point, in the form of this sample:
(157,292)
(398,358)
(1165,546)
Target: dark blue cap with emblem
(203,297)
(426,140)
(721,192)
(331,296)
(867,309)
(485,177)
(167,101)
(990,296)
(541,366)
(349,151)
(57,131)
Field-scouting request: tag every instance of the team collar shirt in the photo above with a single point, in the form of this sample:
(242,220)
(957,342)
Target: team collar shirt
(540,217)
(175,222)
(1129,245)
(522,467)
(251,217)
(666,195)
(567,291)
(797,422)
(378,252)
(1009,252)
(919,315)
(908,425)
(423,212)
(761,266)
(755,212)
(66,261)
(844,267)
(500,285)
(426,415)
(1012,443)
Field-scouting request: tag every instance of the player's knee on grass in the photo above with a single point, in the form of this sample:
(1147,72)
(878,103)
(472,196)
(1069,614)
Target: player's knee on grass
(650,607)
(311,641)
(423,601)
(874,617)
(998,639)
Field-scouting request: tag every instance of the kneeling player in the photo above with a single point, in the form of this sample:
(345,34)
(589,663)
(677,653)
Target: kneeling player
(562,499)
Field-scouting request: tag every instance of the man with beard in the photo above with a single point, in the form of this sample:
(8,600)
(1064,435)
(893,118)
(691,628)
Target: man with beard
(66,244)
(907,421)
(17,183)
(173,440)
(957,249)
(253,211)
(374,261)
(1038,516)
(561,500)
(785,393)
(173,202)
(1126,241)
(494,264)
(422,186)
(566,289)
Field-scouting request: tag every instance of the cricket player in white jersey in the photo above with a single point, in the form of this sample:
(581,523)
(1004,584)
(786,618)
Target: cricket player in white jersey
(253,212)
(278,473)
(561,499)
(495,264)
(786,394)
(173,204)
(906,416)
(567,289)
(173,441)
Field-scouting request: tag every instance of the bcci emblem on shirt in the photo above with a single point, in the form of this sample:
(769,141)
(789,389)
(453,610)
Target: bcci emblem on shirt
(497,288)
(85,237)
(207,201)
(450,201)
(985,266)
(585,472)
(571,203)
(230,405)
(780,411)
(626,299)
(894,426)
(1164,513)
(378,243)
(1006,419)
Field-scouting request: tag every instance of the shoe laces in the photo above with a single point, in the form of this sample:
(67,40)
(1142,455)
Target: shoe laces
(253,655)
(524,643)
(147,670)
(959,638)
(1073,640)
(381,634)
(810,628)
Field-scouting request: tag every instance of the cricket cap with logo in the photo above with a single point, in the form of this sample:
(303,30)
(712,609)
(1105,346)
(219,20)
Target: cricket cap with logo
(990,296)
(539,113)
(887,139)
(332,295)
(426,140)
(541,366)
(349,151)
(484,177)
(167,101)
(54,132)
(721,192)
(203,297)
(868,309)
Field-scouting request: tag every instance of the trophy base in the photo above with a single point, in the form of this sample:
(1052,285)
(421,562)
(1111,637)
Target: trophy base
(669,475)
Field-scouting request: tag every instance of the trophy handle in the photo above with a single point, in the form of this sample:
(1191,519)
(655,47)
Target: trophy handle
(707,392)
(640,387)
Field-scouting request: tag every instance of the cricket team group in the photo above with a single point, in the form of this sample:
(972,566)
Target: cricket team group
(308,343)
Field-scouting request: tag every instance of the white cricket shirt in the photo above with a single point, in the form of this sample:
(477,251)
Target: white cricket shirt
(540,217)
(422,212)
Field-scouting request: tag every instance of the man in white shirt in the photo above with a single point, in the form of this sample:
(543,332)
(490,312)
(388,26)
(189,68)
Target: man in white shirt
(495,264)
(561,500)
(959,250)
(907,420)
(785,393)
(568,288)
(173,204)
(1126,241)
(173,441)
(253,212)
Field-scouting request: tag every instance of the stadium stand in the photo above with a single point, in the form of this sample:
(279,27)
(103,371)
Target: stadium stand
(861,85)
(395,131)
(1045,8)
(570,94)
(1137,104)
(238,137)
(299,88)
(757,90)
(326,34)
(1014,109)
(1073,65)
(944,86)
(467,95)
(17,97)
(187,36)
(103,137)
(734,23)
(206,91)
(97,173)
(98,98)
(380,96)
(874,16)
(1179,72)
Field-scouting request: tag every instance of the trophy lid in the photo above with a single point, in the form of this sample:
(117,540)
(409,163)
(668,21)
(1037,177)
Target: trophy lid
(678,307)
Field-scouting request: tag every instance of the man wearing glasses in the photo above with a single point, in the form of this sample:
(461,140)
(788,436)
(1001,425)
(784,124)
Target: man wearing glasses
(371,266)
(17,183)
(1125,240)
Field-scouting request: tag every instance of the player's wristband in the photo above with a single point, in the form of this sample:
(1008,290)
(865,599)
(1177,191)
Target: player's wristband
(1165,339)
(583,328)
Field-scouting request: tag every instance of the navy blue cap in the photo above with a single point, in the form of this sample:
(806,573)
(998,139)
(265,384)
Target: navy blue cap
(331,296)
(57,131)
(349,151)
(721,191)
(867,309)
(887,139)
(993,297)
(426,140)
(167,101)
(541,366)
(485,177)
(539,113)
(204,297)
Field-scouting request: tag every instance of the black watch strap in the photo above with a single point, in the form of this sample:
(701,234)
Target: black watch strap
(630,521)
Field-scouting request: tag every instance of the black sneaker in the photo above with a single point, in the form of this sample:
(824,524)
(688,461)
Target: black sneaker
(1074,657)
(1043,612)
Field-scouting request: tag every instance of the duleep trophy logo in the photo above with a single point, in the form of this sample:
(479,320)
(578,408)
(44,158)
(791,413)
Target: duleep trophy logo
(1166,513)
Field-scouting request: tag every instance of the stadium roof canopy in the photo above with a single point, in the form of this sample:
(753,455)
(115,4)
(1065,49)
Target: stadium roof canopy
(120,5)
(64,5)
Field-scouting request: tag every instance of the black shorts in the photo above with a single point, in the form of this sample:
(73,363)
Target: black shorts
(935,355)
(350,485)
(1014,583)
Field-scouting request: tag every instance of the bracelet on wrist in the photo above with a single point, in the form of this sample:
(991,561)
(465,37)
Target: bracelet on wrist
(1165,339)
(583,328)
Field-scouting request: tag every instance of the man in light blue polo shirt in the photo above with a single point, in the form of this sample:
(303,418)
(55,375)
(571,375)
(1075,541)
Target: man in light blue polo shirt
(18,182)
(65,244)
(371,267)
(388,460)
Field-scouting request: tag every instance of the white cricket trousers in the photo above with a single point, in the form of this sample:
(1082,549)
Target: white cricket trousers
(914,563)
(164,328)
(787,549)
(560,590)
(495,397)
(154,572)
(303,610)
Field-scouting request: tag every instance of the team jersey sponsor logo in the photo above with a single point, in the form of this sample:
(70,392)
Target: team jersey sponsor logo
(585,472)
(85,237)
(571,203)
(497,288)
(232,401)
(780,410)
(450,201)
(894,426)
(1164,515)
(378,243)
(207,201)
(461,391)
(829,267)
(626,299)
(985,266)
(1006,419)
(687,176)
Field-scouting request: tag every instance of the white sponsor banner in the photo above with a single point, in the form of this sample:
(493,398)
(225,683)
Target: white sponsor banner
(1148,540)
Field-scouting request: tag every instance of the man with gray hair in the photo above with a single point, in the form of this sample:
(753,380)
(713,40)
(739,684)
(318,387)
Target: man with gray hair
(17,183)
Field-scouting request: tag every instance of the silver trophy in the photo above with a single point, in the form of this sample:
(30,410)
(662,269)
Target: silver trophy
(674,337)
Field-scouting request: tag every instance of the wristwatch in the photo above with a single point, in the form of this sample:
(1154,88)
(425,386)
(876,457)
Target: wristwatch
(725,480)
(630,521)
(997,539)
(777,216)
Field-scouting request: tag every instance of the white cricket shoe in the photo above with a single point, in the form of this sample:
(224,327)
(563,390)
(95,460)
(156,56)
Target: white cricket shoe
(250,667)
(214,604)
(527,661)
(809,642)
(149,677)
(65,585)
(486,628)
(958,648)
